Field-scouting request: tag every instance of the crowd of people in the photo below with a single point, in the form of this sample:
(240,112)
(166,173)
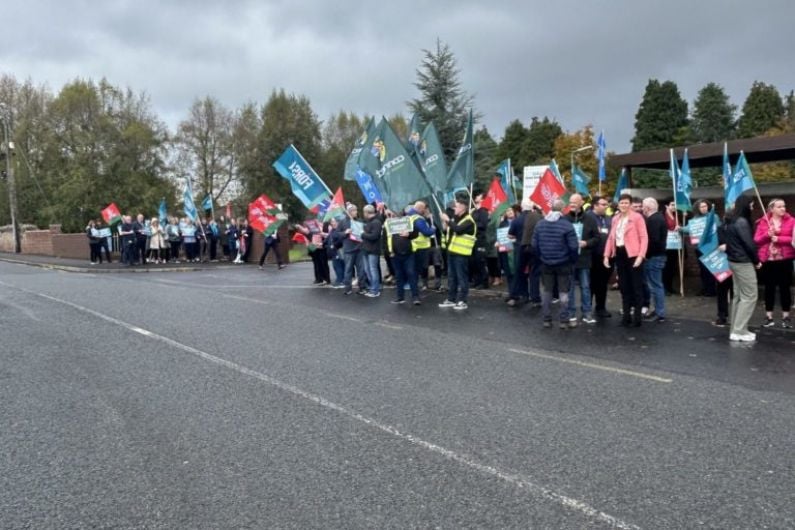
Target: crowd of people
(176,240)
(569,256)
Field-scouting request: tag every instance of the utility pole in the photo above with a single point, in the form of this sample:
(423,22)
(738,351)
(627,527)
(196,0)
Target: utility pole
(11,182)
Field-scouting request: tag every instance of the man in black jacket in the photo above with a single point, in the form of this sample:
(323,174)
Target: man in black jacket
(371,249)
(588,236)
(600,275)
(657,229)
(478,272)
(402,252)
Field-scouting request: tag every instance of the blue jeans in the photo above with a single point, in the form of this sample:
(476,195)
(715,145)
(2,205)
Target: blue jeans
(457,277)
(372,267)
(339,268)
(519,285)
(653,276)
(405,271)
(583,278)
(351,259)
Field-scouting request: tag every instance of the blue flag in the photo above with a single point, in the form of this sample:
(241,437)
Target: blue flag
(207,203)
(581,181)
(623,183)
(709,237)
(162,212)
(306,184)
(553,166)
(601,148)
(187,198)
(741,180)
(682,183)
(368,187)
(505,172)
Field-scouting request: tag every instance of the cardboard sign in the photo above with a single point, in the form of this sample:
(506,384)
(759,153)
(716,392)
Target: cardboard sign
(717,263)
(396,225)
(674,240)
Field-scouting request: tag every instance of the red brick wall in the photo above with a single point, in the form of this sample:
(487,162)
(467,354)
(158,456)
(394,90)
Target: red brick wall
(73,246)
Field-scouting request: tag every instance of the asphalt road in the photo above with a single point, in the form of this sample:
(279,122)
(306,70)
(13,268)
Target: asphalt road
(237,398)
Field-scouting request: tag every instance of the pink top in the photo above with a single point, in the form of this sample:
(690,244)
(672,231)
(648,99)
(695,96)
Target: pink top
(781,249)
(636,239)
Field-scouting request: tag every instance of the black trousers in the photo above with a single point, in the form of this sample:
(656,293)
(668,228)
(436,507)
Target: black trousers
(671,270)
(478,274)
(777,275)
(600,279)
(268,247)
(725,291)
(320,264)
(630,282)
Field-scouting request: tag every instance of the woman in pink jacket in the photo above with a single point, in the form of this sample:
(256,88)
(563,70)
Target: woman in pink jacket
(628,241)
(773,238)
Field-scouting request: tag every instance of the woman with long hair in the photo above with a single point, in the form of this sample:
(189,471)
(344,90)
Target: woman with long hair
(737,234)
(773,237)
(628,242)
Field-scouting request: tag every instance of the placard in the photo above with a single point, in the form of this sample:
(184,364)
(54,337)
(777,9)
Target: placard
(103,232)
(396,225)
(357,227)
(717,263)
(674,240)
(695,228)
(505,243)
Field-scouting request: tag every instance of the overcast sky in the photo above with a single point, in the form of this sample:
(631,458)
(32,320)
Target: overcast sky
(577,62)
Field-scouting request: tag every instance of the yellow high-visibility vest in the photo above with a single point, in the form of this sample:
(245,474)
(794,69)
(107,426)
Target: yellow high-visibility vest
(462,244)
(421,241)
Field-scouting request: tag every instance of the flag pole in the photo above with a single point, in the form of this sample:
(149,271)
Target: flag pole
(680,252)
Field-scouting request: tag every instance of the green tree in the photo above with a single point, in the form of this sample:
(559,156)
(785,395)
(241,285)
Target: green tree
(566,144)
(105,145)
(339,135)
(539,145)
(661,117)
(286,119)
(205,145)
(762,110)
(713,115)
(513,139)
(486,160)
(789,114)
(442,100)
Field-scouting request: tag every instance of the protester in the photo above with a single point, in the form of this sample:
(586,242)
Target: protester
(421,245)
(157,241)
(555,243)
(223,236)
(334,241)
(672,269)
(271,243)
(527,279)
(700,209)
(141,230)
(351,248)
(505,254)
(773,238)
(478,270)
(401,249)
(128,241)
(657,231)
(93,243)
(371,249)
(461,232)
(189,240)
(627,242)
(247,234)
(174,238)
(213,231)
(103,242)
(737,235)
(435,254)
(588,239)
(316,249)
(600,275)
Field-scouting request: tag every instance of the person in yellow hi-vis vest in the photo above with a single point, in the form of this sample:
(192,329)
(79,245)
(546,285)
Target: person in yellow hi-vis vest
(461,232)
(422,243)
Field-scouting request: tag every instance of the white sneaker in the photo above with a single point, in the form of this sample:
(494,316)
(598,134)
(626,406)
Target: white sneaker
(460,306)
(743,337)
(447,303)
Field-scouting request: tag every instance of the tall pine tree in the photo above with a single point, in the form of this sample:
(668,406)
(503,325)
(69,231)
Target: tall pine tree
(713,115)
(661,117)
(442,100)
(762,110)
(539,146)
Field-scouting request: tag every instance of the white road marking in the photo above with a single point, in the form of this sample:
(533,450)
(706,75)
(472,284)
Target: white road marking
(22,309)
(388,326)
(512,478)
(593,365)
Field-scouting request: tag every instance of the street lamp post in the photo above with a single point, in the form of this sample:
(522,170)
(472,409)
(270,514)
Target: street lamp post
(12,188)
(581,149)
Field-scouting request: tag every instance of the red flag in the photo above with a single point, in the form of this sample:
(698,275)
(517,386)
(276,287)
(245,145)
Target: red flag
(263,215)
(494,197)
(547,191)
(300,238)
(337,205)
(111,214)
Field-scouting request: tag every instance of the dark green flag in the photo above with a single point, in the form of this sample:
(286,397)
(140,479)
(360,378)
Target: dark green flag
(351,164)
(431,158)
(385,158)
(414,133)
(462,172)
